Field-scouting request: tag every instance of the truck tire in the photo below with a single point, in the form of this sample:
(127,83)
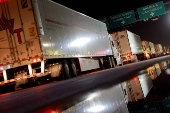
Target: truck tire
(73,68)
(66,69)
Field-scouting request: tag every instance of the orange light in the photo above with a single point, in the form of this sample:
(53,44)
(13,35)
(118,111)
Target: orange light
(39,59)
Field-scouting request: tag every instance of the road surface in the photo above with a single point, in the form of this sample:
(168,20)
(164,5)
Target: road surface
(33,99)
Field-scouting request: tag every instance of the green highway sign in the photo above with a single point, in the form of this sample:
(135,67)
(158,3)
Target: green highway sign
(151,107)
(152,10)
(104,20)
(122,19)
(166,104)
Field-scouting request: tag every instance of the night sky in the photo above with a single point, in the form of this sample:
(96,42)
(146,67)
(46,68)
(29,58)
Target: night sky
(155,31)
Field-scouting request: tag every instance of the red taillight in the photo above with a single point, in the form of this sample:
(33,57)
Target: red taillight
(135,78)
(57,111)
(3,1)
(150,69)
(136,83)
(128,54)
(34,60)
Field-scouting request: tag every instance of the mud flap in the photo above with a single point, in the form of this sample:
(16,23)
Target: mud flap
(55,70)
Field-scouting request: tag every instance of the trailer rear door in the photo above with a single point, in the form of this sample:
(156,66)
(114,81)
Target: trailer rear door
(19,40)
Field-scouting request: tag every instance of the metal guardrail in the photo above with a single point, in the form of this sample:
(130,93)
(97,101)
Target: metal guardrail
(33,98)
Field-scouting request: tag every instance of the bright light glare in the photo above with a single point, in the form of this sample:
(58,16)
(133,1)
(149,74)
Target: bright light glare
(80,42)
(167,71)
(45,45)
(48,44)
(91,97)
(96,108)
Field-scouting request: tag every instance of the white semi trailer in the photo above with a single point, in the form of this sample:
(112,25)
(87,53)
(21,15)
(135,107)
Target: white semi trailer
(139,87)
(41,39)
(158,49)
(152,48)
(146,49)
(129,46)
(110,100)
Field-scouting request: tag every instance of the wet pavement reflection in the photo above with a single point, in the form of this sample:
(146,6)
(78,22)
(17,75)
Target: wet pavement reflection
(158,98)
(147,92)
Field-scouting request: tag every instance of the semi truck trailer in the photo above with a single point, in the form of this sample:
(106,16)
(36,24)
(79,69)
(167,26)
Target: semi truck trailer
(152,49)
(110,100)
(146,49)
(163,65)
(129,46)
(165,50)
(158,49)
(41,40)
(139,87)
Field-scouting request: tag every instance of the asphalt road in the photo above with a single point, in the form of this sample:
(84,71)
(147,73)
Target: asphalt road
(33,99)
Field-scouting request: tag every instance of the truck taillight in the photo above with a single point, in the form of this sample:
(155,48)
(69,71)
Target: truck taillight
(1,68)
(38,59)
(3,1)
(34,60)
(135,78)
(128,54)
(57,111)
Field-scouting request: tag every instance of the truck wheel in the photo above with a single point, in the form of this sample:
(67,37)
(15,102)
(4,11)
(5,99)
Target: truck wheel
(66,69)
(74,68)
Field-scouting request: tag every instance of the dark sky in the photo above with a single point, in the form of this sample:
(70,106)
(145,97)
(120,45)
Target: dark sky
(155,31)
